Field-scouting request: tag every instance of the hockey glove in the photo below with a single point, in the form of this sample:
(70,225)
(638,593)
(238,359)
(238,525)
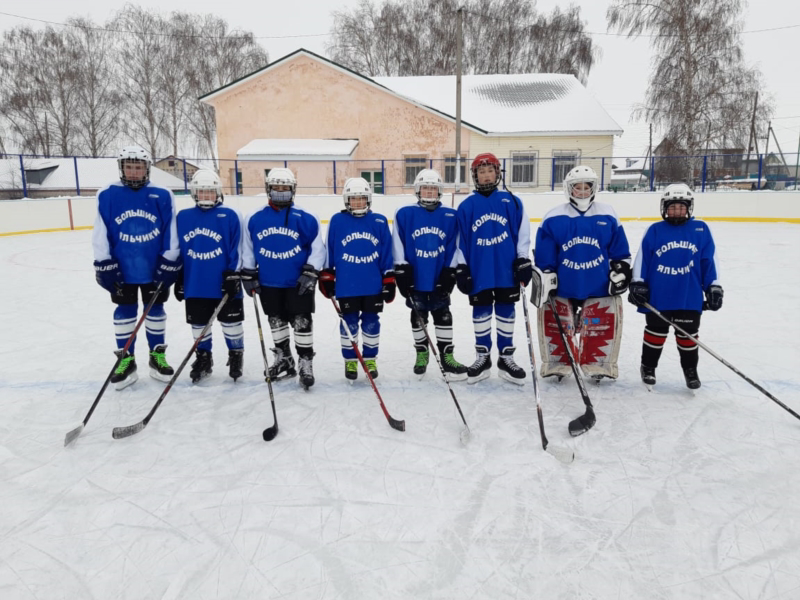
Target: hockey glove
(638,293)
(523,270)
(619,277)
(464,279)
(714,296)
(446,281)
(167,271)
(108,275)
(307,280)
(389,287)
(178,289)
(404,275)
(327,282)
(231,283)
(250,283)
(543,285)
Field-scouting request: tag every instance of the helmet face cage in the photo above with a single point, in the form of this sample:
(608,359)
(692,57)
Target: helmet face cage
(486,159)
(283,177)
(576,176)
(130,155)
(357,187)
(677,194)
(428,178)
(204,180)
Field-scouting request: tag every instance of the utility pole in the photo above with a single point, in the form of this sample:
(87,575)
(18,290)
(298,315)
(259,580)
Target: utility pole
(459,43)
(46,137)
(750,139)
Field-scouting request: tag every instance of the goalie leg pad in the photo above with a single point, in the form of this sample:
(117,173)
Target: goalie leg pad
(600,336)
(555,360)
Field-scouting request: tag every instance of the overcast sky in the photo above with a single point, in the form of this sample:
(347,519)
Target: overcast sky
(619,80)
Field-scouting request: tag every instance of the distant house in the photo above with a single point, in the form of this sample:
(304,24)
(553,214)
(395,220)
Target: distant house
(635,175)
(327,123)
(179,167)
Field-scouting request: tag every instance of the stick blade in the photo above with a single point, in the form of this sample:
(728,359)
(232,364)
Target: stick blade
(563,455)
(397,424)
(583,423)
(73,435)
(270,433)
(465,435)
(122,432)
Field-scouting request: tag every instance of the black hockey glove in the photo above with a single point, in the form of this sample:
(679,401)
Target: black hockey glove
(404,275)
(231,283)
(464,279)
(108,275)
(523,270)
(307,280)
(389,287)
(446,281)
(167,271)
(250,283)
(638,293)
(619,277)
(714,296)
(178,289)
(327,282)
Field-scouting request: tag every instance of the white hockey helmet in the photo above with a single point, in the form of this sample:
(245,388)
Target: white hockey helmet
(205,179)
(357,187)
(677,193)
(129,154)
(429,178)
(580,174)
(284,177)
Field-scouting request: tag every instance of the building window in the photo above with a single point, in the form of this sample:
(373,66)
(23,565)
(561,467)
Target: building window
(235,176)
(450,169)
(375,180)
(563,162)
(523,168)
(414,164)
(171,163)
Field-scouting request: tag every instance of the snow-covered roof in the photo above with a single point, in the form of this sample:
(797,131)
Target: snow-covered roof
(297,149)
(636,166)
(524,104)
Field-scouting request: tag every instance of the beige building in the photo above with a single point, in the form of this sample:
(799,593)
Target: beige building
(328,123)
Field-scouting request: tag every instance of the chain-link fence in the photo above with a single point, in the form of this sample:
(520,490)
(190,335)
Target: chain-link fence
(46,177)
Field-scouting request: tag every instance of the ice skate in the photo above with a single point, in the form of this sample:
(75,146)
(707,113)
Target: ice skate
(125,373)
(159,368)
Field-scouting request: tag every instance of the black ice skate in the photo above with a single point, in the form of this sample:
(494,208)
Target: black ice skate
(454,370)
(648,376)
(235,359)
(508,369)
(125,373)
(283,365)
(372,367)
(423,356)
(159,368)
(481,368)
(692,378)
(201,367)
(306,369)
(351,370)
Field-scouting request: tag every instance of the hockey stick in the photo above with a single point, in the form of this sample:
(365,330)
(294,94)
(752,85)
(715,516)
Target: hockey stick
(395,423)
(270,432)
(465,433)
(720,359)
(123,432)
(72,435)
(562,454)
(586,421)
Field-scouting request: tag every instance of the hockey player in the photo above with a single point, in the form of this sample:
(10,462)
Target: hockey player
(135,248)
(283,251)
(675,266)
(582,255)
(358,271)
(210,239)
(495,239)
(424,241)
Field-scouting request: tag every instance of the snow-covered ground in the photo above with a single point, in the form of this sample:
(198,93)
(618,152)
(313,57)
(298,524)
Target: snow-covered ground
(671,495)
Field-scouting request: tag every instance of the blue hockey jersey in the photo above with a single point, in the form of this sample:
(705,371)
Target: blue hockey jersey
(210,245)
(427,240)
(578,247)
(493,231)
(678,262)
(280,242)
(135,227)
(360,249)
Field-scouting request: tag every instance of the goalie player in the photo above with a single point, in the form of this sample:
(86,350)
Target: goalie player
(581,256)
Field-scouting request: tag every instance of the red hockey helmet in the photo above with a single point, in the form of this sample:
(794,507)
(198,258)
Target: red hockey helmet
(486,159)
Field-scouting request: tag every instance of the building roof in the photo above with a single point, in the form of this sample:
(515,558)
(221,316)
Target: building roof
(173,157)
(297,149)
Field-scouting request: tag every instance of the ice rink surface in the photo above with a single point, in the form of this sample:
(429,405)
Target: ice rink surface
(671,495)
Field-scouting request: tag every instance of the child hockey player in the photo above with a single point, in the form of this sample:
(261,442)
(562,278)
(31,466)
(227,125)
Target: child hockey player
(675,266)
(495,238)
(582,252)
(135,249)
(424,242)
(283,252)
(210,239)
(358,271)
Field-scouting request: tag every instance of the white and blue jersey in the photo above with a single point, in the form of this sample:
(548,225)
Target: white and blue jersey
(427,240)
(360,249)
(135,227)
(578,247)
(678,262)
(280,242)
(494,230)
(210,243)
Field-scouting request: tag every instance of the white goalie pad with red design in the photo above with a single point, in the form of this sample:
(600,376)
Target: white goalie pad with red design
(600,335)
(554,356)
